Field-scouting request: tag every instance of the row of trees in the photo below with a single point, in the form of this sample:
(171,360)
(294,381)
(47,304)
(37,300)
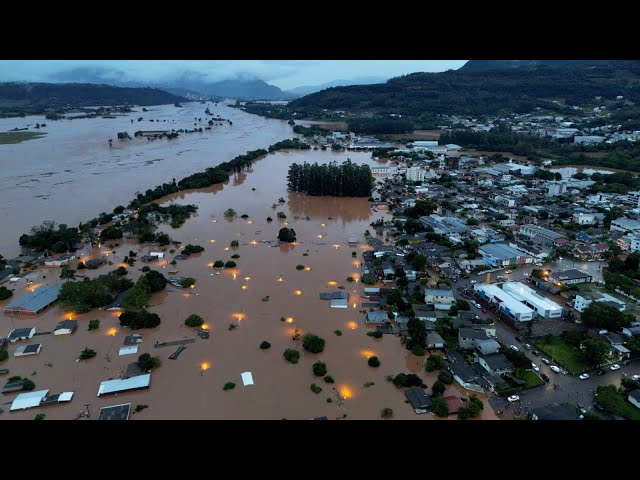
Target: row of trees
(344,180)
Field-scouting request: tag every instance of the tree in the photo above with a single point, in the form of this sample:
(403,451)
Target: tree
(434,362)
(320,369)
(190,249)
(94,324)
(472,222)
(287,235)
(368,279)
(156,281)
(120,272)
(445,376)
(518,359)
(3,355)
(386,413)
(40,416)
(407,380)
(601,315)
(188,282)
(87,353)
(312,343)
(67,272)
(438,388)
(147,362)
(595,351)
(28,385)
(419,262)
(5,293)
(417,331)
(373,362)
(439,406)
(230,213)
(265,345)
(229,386)
(194,320)
(139,319)
(472,409)
(291,355)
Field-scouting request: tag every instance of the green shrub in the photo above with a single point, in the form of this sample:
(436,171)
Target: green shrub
(319,369)
(40,416)
(445,376)
(373,362)
(417,350)
(375,334)
(291,355)
(235,243)
(386,413)
(338,332)
(3,355)
(87,353)
(230,264)
(265,345)
(229,386)
(434,362)
(194,320)
(328,379)
(28,384)
(140,407)
(235,256)
(439,406)
(315,388)
(147,362)
(438,388)
(299,267)
(312,343)
(350,279)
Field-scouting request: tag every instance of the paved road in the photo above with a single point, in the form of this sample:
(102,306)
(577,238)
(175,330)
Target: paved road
(569,388)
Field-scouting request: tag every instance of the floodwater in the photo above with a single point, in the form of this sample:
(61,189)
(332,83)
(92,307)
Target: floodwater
(263,288)
(71,174)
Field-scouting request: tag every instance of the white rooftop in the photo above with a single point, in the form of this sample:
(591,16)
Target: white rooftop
(132,383)
(521,291)
(513,304)
(28,400)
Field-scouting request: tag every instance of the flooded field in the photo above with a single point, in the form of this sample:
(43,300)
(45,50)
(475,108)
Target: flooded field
(71,174)
(264,288)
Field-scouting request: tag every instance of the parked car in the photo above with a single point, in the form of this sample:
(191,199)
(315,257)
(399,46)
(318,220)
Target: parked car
(584,376)
(514,348)
(615,367)
(555,369)
(636,377)
(508,272)
(513,398)
(527,346)
(535,367)
(545,377)
(544,360)
(519,338)
(473,281)
(477,305)
(536,353)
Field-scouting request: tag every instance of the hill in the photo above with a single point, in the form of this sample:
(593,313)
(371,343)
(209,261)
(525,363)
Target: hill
(39,98)
(307,89)
(424,96)
(478,65)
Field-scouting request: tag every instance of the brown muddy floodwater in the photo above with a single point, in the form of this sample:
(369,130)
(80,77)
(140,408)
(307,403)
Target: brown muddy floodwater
(182,389)
(71,174)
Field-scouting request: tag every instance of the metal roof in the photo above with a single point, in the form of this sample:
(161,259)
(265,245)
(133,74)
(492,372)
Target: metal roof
(37,300)
(115,412)
(134,383)
(28,400)
(520,290)
(500,251)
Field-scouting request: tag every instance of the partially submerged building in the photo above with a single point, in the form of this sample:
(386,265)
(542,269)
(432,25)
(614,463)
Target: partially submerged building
(34,302)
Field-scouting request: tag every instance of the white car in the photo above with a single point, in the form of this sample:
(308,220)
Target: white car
(513,398)
(584,376)
(514,348)
(508,272)
(473,281)
(535,367)
(635,377)
(544,360)
(477,305)
(555,369)
(615,367)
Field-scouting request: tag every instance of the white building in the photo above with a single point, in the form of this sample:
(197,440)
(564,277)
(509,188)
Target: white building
(542,305)
(556,188)
(415,174)
(441,299)
(511,306)
(583,300)
(381,171)
(630,243)
(588,139)
(584,218)
(506,201)
(625,225)
(634,197)
(566,172)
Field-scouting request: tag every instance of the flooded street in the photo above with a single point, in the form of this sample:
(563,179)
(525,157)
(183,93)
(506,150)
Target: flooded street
(263,288)
(71,174)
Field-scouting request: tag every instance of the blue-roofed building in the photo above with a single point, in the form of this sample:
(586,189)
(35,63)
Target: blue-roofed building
(502,255)
(139,382)
(34,302)
(444,225)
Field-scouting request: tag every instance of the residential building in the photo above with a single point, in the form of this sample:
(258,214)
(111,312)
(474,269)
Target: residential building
(634,197)
(625,225)
(543,306)
(441,299)
(584,218)
(556,188)
(468,338)
(18,334)
(584,299)
(504,200)
(588,139)
(495,363)
(419,399)
(65,327)
(435,341)
(415,174)
(629,243)
(444,225)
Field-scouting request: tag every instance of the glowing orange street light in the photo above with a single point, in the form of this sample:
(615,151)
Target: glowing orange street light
(205,326)
(289,319)
(307,268)
(204,366)
(247,278)
(297,292)
(112,331)
(280,279)
(244,287)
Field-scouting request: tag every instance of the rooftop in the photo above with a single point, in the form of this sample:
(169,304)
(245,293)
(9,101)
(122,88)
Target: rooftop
(133,383)
(571,274)
(556,411)
(500,251)
(497,361)
(37,300)
(520,290)
(115,412)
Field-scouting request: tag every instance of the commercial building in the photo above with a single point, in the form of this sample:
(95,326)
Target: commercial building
(512,307)
(625,225)
(444,225)
(502,255)
(415,174)
(542,305)
(571,277)
(138,382)
(539,234)
(34,302)
(583,300)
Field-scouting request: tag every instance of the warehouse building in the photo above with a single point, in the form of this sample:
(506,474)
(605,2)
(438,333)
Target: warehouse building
(510,306)
(542,305)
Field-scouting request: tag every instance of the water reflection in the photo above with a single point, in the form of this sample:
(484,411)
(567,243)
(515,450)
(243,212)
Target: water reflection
(321,208)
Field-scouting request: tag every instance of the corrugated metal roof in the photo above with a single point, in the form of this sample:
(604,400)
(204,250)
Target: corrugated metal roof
(132,383)
(128,350)
(339,303)
(37,300)
(28,400)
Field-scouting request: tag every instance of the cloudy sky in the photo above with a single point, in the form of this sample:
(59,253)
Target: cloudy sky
(285,74)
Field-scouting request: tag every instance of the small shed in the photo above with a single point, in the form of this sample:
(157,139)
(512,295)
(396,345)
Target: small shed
(95,263)
(247,378)
(454,403)
(128,350)
(24,350)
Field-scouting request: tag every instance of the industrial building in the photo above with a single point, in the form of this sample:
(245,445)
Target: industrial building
(503,255)
(539,234)
(512,307)
(138,382)
(444,225)
(572,276)
(542,305)
(34,302)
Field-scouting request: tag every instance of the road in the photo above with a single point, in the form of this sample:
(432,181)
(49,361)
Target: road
(569,388)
